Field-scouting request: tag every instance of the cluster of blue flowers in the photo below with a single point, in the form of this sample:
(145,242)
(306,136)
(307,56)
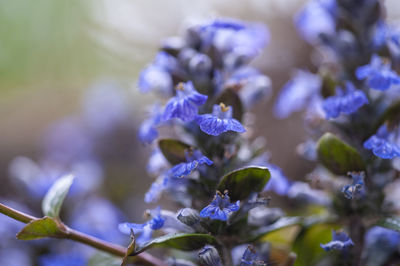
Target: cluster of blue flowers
(205,159)
(354,96)
(208,84)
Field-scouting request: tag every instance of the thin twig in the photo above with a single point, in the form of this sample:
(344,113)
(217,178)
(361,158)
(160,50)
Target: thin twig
(143,258)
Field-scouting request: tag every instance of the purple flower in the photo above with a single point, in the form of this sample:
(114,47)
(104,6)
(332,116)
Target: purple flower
(383,144)
(297,93)
(316,18)
(340,241)
(356,189)
(72,259)
(185,104)
(383,238)
(233,39)
(144,231)
(157,76)
(105,107)
(220,207)
(148,129)
(344,102)
(194,160)
(156,189)
(253,85)
(379,75)
(278,181)
(219,121)
(250,257)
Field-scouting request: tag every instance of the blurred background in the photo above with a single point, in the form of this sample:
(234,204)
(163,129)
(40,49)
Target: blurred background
(54,53)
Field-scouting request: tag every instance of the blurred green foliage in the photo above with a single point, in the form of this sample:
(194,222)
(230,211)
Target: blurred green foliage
(45,40)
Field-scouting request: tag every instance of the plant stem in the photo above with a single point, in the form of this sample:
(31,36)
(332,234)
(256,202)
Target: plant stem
(143,258)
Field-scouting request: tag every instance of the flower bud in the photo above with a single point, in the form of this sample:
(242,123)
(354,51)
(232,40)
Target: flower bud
(189,216)
(209,256)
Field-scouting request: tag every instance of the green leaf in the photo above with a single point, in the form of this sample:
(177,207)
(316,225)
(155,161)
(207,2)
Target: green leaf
(52,202)
(174,150)
(40,228)
(230,97)
(281,223)
(130,250)
(392,223)
(104,259)
(240,183)
(181,241)
(337,156)
(307,244)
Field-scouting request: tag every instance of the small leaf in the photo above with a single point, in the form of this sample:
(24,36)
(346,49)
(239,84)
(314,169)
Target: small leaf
(174,150)
(278,225)
(242,182)
(181,241)
(130,250)
(337,156)
(392,223)
(230,97)
(40,228)
(52,202)
(307,244)
(104,259)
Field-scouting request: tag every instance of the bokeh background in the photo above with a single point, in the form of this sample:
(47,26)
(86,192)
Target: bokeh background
(52,53)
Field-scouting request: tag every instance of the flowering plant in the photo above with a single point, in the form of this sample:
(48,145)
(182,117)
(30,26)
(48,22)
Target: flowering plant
(206,159)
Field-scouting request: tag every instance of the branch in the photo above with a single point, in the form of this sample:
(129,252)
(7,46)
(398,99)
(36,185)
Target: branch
(142,258)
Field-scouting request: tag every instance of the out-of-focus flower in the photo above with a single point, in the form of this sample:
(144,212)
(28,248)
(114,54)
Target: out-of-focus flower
(105,107)
(315,19)
(219,121)
(379,75)
(143,232)
(148,129)
(97,217)
(297,93)
(340,241)
(383,144)
(356,189)
(344,102)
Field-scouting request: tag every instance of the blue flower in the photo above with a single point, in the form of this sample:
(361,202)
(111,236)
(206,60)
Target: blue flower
(356,189)
(379,75)
(148,129)
(344,102)
(252,85)
(316,18)
(185,104)
(72,259)
(235,40)
(157,163)
(143,232)
(383,144)
(297,93)
(157,76)
(382,238)
(220,207)
(340,241)
(219,121)
(250,257)
(194,160)
(156,189)
(97,217)
(278,181)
